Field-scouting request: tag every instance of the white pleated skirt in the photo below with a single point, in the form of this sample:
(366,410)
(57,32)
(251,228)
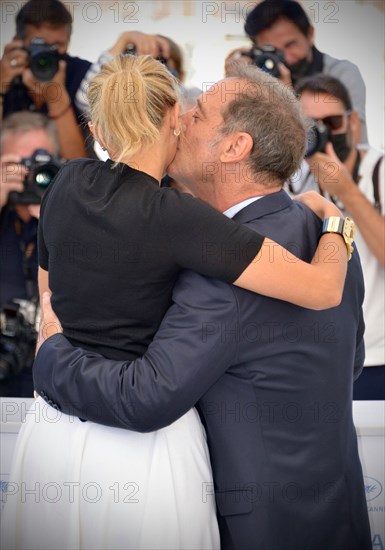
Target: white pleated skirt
(79,485)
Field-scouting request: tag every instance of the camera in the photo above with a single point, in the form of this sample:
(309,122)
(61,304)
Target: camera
(43,59)
(18,334)
(266,58)
(42,168)
(317,138)
(131,50)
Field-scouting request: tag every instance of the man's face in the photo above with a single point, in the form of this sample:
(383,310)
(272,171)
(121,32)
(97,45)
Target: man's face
(285,36)
(25,144)
(197,156)
(54,36)
(321,106)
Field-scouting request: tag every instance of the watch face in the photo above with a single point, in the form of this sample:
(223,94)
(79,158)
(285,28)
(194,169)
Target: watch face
(349,228)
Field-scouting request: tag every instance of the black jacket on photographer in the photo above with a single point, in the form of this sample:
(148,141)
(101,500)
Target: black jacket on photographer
(18,98)
(18,280)
(18,267)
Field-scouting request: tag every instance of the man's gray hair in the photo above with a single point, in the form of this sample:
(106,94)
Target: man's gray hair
(25,121)
(271,114)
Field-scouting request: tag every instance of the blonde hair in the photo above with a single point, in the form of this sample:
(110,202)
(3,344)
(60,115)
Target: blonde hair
(128,100)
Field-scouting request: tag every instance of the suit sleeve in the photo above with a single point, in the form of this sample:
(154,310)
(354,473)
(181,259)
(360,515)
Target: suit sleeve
(190,351)
(359,358)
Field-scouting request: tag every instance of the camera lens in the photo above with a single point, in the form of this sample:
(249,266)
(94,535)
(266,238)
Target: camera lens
(267,59)
(44,66)
(317,139)
(44,176)
(268,64)
(42,169)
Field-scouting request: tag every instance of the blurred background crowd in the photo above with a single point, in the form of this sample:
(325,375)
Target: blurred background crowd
(331,53)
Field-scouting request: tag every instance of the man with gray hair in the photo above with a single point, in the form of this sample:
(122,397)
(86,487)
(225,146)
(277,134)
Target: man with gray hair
(22,134)
(272,381)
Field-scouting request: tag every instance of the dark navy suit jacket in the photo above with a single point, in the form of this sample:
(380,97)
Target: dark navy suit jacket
(273,384)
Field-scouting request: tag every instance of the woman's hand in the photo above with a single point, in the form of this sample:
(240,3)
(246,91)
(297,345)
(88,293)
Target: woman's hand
(49,324)
(320,206)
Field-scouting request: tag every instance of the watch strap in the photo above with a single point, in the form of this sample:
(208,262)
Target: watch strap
(343,227)
(334,224)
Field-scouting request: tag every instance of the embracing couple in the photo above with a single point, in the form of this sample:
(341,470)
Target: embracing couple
(159,351)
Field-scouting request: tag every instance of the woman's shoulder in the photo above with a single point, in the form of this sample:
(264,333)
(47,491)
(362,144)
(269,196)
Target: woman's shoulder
(175,201)
(73,172)
(81,163)
(78,166)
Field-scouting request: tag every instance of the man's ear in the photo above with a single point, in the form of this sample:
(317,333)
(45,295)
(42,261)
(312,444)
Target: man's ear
(356,127)
(236,147)
(310,35)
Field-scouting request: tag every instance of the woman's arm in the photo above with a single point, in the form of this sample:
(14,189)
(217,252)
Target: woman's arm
(202,239)
(277,273)
(43,282)
(42,277)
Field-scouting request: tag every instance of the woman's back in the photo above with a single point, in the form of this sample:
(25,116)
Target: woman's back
(113,243)
(109,270)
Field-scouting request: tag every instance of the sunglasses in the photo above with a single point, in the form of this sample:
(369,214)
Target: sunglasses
(334,122)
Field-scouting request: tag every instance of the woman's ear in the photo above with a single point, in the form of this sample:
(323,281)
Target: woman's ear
(96,137)
(175,122)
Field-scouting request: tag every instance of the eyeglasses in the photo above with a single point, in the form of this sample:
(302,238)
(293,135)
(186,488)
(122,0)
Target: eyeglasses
(334,122)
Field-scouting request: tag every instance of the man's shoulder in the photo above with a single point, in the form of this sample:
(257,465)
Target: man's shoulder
(76,70)
(370,158)
(73,61)
(292,213)
(340,67)
(294,226)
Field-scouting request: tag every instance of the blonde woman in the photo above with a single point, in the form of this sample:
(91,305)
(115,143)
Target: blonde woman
(107,229)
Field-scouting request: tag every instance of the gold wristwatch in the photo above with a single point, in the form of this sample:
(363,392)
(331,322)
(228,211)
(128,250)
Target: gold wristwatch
(344,227)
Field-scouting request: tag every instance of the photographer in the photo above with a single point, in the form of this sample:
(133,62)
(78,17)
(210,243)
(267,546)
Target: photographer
(353,178)
(38,75)
(139,43)
(22,134)
(284,25)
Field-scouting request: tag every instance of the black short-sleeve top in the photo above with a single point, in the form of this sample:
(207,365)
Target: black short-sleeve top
(114,242)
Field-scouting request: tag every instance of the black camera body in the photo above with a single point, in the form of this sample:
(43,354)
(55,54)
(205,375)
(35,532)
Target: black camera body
(18,334)
(267,58)
(43,59)
(317,138)
(131,50)
(42,168)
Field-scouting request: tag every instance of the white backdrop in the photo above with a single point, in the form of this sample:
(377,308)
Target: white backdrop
(207,31)
(368,418)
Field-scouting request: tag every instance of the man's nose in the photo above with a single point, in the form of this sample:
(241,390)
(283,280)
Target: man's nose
(289,58)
